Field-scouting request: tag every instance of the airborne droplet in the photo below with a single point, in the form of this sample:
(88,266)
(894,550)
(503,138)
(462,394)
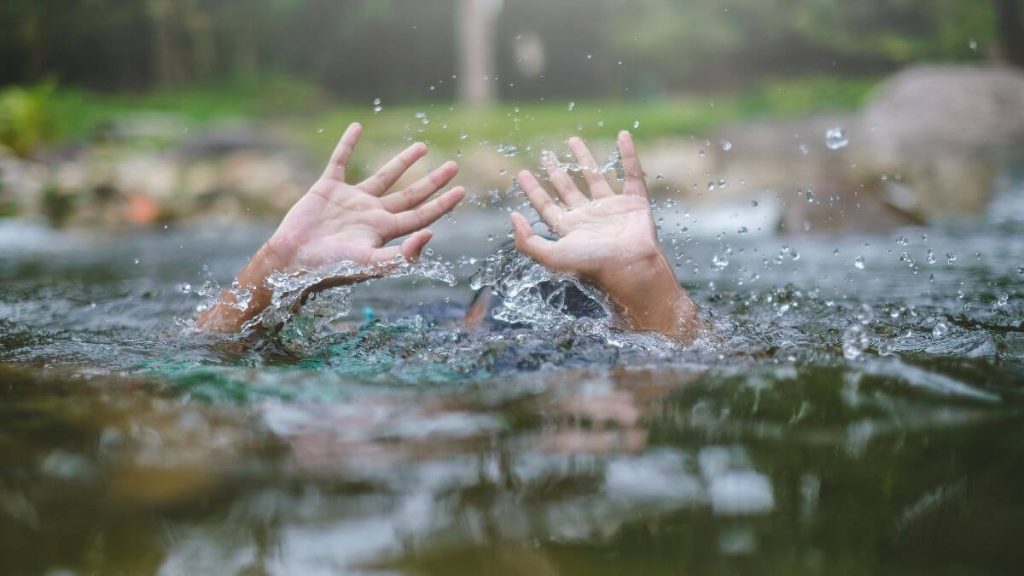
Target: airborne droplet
(835,138)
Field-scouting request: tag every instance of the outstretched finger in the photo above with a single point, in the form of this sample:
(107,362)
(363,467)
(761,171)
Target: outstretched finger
(533,245)
(599,187)
(426,214)
(409,250)
(342,152)
(566,188)
(421,190)
(539,198)
(386,177)
(635,183)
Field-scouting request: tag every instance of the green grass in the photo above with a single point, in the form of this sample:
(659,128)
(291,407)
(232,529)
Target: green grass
(313,119)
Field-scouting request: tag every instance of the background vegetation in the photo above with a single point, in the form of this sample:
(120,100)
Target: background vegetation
(72,65)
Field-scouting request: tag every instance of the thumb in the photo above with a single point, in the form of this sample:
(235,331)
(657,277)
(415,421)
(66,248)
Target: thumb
(529,243)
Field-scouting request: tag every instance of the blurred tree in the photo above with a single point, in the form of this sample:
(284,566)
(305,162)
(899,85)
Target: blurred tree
(409,49)
(1011,30)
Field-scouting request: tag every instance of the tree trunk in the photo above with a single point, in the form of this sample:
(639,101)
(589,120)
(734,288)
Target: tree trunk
(476,50)
(1011,31)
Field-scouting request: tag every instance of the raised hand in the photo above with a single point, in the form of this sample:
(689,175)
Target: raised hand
(609,239)
(336,222)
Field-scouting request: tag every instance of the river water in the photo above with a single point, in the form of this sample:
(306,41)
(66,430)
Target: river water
(855,408)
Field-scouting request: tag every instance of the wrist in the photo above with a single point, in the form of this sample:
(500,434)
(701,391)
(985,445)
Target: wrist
(647,296)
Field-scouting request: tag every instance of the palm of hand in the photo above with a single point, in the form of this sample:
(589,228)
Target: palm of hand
(611,229)
(336,221)
(598,233)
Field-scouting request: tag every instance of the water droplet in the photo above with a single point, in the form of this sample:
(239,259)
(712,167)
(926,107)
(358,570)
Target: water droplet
(719,261)
(754,203)
(804,149)
(835,138)
(636,124)
(973,45)
(422,117)
(950,258)
(810,196)
(377,105)
(855,341)
(858,262)
(940,329)
(463,136)
(742,230)
(571,106)
(137,261)
(931,256)
(726,145)
(1003,299)
(590,56)
(321,130)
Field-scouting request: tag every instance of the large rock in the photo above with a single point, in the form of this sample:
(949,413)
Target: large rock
(937,134)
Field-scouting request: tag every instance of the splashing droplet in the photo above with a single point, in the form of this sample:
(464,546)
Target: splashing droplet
(858,262)
(940,329)
(835,138)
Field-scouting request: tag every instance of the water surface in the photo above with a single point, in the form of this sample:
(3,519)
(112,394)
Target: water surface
(856,409)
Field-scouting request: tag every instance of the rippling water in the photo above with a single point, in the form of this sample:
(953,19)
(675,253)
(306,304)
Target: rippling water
(856,409)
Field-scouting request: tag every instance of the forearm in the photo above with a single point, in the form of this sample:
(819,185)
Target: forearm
(228,314)
(648,297)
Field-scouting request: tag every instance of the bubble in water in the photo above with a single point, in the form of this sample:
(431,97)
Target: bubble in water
(858,262)
(940,329)
(377,107)
(865,314)
(835,138)
(855,341)
(571,106)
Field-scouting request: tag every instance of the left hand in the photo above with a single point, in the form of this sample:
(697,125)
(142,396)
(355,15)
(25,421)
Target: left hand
(336,222)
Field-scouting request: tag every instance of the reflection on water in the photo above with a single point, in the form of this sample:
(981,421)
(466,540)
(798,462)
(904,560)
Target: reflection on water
(857,409)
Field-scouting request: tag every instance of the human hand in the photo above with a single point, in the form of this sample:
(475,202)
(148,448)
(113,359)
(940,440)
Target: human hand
(336,222)
(609,239)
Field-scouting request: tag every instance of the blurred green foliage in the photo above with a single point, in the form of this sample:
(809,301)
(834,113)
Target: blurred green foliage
(26,119)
